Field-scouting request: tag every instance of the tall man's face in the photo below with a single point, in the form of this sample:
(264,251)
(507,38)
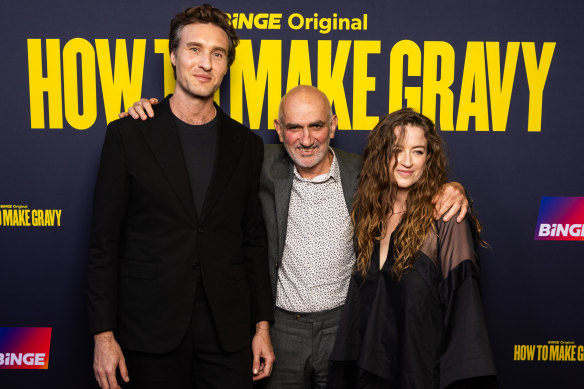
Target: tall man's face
(306,127)
(200,59)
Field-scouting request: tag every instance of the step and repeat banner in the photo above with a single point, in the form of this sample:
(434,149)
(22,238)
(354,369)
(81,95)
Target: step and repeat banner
(504,81)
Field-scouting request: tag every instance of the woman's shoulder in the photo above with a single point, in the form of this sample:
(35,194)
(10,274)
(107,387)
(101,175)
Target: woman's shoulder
(452,229)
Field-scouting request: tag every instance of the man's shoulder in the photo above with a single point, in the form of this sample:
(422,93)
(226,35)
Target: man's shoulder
(349,159)
(275,154)
(161,113)
(125,126)
(277,164)
(242,131)
(274,151)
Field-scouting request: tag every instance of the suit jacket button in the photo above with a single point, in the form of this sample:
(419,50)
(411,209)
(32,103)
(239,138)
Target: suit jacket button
(200,230)
(195,266)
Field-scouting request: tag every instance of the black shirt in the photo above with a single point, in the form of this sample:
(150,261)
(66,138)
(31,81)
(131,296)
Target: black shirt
(199,144)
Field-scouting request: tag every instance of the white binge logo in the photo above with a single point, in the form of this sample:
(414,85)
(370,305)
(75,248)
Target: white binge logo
(19,359)
(561,230)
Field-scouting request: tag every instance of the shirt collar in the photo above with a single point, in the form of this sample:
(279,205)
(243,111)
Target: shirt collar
(333,173)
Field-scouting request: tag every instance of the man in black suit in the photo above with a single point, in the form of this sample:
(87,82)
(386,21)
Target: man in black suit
(177,272)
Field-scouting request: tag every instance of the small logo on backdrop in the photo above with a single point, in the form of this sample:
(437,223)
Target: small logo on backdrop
(25,347)
(560,218)
(553,351)
(20,215)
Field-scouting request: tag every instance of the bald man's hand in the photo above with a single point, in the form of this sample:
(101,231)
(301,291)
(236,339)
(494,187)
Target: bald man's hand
(141,109)
(449,201)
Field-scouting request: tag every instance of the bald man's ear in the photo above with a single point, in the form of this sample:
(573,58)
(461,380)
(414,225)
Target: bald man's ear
(279,130)
(334,122)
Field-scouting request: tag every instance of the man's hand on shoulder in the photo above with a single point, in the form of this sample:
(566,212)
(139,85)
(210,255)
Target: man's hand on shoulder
(263,353)
(107,357)
(141,109)
(451,198)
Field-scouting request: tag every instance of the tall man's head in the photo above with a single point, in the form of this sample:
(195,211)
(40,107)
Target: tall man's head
(202,45)
(306,125)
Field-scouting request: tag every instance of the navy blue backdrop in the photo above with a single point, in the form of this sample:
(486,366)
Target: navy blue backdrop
(503,79)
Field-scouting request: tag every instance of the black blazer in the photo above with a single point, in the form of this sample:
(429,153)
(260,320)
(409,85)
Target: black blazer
(146,236)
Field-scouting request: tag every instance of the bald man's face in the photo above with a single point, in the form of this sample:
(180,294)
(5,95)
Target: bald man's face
(306,130)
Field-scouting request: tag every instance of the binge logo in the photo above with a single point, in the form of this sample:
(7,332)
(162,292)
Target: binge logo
(25,347)
(560,218)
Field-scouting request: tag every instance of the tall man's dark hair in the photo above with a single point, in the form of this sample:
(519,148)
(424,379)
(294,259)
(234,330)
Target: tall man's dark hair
(205,14)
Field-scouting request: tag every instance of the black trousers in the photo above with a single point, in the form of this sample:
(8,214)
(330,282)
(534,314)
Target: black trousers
(198,362)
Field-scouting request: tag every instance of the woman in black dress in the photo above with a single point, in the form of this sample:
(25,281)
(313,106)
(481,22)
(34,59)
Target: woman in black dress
(413,316)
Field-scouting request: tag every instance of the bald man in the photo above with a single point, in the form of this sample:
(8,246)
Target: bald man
(306,191)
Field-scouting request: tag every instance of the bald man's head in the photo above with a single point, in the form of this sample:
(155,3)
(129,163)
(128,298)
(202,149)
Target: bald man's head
(304,93)
(305,125)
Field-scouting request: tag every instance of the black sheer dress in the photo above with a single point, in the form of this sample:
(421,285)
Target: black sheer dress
(427,330)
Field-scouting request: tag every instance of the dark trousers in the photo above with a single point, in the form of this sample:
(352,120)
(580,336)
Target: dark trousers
(198,362)
(303,343)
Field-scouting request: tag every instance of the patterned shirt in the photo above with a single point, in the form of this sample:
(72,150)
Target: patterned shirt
(318,253)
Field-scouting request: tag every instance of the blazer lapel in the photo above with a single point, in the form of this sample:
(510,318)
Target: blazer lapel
(227,154)
(283,174)
(162,137)
(349,179)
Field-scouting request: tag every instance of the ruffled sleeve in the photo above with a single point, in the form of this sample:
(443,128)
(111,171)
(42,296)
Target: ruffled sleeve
(466,360)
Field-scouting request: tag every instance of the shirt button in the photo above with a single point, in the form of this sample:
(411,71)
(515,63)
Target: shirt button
(200,230)
(195,266)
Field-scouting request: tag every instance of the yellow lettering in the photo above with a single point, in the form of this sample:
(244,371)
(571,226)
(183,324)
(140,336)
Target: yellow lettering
(299,65)
(571,353)
(554,353)
(120,82)
(24,216)
(246,21)
(58,215)
(161,47)
(396,75)
(516,353)
(71,87)
(434,86)
(274,23)
(51,83)
(536,78)
(48,217)
(330,78)
(563,353)
(500,91)
(530,352)
(261,21)
(291,21)
(269,72)
(362,84)
(324,25)
(474,79)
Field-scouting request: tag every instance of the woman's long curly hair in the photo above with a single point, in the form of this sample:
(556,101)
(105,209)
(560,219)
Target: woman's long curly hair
(377,191)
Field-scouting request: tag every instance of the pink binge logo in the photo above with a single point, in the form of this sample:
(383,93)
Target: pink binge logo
(560,218)
(25,347)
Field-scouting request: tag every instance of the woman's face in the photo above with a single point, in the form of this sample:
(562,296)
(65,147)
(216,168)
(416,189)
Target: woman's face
(410,160)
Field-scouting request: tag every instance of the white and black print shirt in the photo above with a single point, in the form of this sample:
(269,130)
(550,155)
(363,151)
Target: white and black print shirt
(318,253)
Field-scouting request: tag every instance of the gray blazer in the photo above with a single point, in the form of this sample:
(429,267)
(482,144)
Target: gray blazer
(275,189)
